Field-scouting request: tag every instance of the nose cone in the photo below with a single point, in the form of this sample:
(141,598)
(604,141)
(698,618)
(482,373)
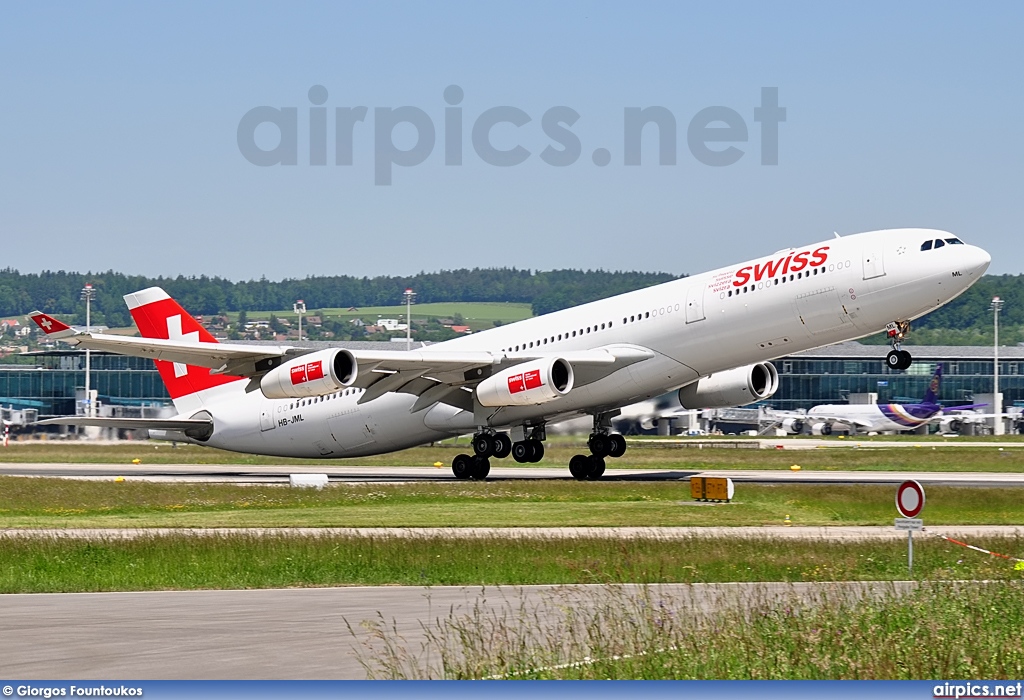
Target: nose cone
(976,260)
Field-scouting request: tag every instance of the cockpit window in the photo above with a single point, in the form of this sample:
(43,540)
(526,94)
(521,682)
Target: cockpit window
(939,243)
(927,245)
(954,241)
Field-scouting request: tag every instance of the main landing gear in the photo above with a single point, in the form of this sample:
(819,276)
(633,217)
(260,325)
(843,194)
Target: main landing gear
(897,358)
(488,443)
(602,443)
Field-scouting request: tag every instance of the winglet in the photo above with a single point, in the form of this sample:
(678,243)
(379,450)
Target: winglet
(50,325)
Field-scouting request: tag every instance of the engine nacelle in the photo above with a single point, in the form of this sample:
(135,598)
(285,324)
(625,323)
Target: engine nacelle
(951,425)
(821,429)
(794,426)
(735,387)
(315,374)
(527,384)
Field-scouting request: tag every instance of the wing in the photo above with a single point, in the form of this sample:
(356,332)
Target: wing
(449,376)
(431,374)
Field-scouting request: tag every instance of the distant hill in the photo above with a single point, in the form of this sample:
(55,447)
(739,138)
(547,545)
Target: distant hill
(58,292)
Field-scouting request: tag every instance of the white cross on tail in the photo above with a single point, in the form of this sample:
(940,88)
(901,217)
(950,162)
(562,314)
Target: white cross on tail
(174,333)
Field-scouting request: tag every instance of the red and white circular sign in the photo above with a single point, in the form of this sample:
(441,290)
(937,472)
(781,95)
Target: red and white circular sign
(910,499)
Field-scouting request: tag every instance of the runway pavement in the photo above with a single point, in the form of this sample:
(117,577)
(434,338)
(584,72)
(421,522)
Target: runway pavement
(291,633)
(278,474)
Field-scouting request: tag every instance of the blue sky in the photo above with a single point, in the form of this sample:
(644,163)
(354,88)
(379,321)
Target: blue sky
(120,125)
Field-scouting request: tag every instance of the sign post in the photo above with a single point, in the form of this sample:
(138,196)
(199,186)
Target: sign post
(910,503)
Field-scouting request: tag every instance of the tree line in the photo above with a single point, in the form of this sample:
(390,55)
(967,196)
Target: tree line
(59,292)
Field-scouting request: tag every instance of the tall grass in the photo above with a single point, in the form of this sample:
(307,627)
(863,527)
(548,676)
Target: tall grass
(835,632)
(181,561)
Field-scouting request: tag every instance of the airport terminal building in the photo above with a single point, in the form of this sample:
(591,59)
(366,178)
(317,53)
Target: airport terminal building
(129,386)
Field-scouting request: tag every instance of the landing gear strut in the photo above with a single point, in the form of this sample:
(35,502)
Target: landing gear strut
(897,358)
(602,443)
(489,443)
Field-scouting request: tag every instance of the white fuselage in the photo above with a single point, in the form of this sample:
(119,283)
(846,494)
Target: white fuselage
(870,417)
(730,317)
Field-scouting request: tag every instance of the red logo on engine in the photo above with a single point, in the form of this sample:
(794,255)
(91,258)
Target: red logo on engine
(307,373)
(524,381)
(516,384)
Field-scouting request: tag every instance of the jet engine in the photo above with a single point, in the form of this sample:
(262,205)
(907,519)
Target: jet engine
(821,429)
(527,384)
(735,387)
(793,426)
(314,374)
(951,424)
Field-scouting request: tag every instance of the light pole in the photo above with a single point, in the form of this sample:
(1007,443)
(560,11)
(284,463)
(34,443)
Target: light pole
(88,294)
(997,427)
(299,308)
(408,297)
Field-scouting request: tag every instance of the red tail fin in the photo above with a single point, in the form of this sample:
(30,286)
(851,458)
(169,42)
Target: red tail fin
(49,324)
(159,316)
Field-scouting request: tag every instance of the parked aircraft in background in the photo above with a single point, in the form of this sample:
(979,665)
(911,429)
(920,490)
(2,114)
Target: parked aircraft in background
(880,417)
(710,336)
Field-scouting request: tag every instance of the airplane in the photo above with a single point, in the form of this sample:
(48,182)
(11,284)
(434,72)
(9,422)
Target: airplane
(709,336)
(880,417)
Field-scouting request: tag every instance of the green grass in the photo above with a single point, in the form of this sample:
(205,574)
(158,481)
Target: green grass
(236,561)
(65,503)
(646,454)
(939,630)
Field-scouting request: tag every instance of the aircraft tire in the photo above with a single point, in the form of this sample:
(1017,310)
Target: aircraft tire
(599,445)
(521,451)
(483,445)
(502,446)
(480,467)
(536,450)
(618,445)
(595,468)
(462,466)
(893,359)
(579,467)
(905,360)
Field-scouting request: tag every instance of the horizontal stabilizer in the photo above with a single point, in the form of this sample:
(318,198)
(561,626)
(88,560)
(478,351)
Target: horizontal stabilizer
(178,424)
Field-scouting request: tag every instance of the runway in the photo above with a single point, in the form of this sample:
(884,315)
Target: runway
(292,633)
(278,474)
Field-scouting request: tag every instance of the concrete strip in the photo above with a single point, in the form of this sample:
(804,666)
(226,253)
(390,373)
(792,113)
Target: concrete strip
(297,633)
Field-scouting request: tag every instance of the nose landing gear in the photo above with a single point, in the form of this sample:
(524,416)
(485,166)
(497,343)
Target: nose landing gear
(897,358)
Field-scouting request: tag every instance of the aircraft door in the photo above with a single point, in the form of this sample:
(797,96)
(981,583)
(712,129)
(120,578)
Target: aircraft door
(695,304)
(267,420)
(874,263)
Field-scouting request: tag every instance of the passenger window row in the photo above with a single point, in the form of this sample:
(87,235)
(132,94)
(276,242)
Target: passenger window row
(775,282)
(590,329)
(320,399)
